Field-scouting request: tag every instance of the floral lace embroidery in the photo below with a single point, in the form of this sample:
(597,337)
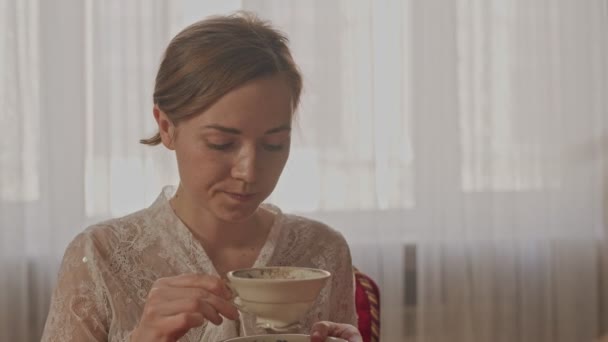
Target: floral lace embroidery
(108,270)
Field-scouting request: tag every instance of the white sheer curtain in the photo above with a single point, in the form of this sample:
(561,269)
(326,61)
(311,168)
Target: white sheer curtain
(460,146)
(76,80)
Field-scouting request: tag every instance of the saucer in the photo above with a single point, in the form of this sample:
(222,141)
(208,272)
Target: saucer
(280,338)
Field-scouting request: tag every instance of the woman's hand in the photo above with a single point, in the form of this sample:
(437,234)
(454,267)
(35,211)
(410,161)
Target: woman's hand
(178,304)
(321,330)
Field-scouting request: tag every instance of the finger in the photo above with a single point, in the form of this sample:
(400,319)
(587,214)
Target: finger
(219,304)
(325,329)
(175,293)
(224,307)
(209,304)
(211,314)
(208,282)
(352,334)
(178,325)
(319,331)
(190,300)
(187,306)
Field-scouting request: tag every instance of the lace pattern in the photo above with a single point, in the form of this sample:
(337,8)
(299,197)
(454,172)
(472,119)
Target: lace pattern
(108,270)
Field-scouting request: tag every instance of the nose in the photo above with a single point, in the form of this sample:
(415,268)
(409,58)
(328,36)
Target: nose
(244,168)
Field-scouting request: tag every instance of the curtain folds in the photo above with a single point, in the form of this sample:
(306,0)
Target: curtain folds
(460,146)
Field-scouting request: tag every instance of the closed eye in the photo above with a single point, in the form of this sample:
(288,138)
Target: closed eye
(220,147)
(273,148)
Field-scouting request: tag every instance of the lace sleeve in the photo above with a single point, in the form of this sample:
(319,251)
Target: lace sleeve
(79,308)
(342,301)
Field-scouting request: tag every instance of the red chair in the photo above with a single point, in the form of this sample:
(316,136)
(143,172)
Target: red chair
(367,301)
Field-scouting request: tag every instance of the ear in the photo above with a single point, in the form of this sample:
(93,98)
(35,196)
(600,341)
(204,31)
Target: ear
(166,129)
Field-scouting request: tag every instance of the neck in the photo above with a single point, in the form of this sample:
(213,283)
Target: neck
(213,231)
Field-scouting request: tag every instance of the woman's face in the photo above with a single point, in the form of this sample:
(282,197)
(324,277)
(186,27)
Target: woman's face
(230,156)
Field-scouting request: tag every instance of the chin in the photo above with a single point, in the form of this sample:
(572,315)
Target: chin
(235,215)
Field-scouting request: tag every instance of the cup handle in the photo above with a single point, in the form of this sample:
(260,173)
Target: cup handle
(237,300)
(239,305)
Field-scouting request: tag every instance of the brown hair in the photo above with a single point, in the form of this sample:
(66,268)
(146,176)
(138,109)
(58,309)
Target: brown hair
(214,56)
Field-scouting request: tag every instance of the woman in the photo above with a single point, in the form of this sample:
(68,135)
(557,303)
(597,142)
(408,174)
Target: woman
(224,101)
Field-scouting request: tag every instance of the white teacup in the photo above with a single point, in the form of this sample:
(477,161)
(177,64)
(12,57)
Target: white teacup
(278,296)
(280,338)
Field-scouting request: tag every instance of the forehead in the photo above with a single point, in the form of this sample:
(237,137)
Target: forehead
(258,105)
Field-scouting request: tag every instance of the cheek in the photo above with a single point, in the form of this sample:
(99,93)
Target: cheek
(201,168)
(274,167)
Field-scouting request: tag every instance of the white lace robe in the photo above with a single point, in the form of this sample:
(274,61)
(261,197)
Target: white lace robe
(108,270)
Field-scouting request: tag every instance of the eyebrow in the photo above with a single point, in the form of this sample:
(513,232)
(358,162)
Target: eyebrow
(230,130)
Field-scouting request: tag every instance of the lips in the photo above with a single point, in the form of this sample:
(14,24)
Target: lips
(241,197)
